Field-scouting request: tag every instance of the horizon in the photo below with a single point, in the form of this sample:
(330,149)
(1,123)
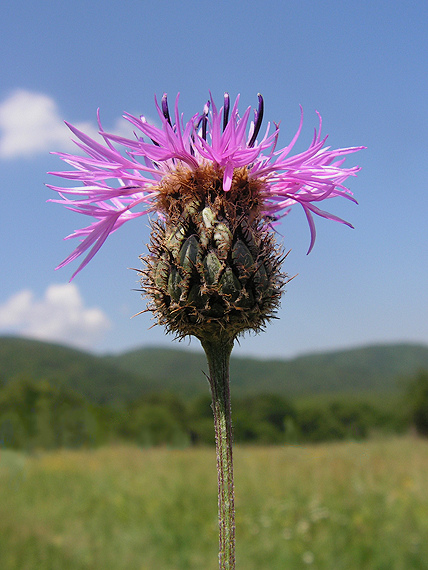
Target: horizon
(178,346)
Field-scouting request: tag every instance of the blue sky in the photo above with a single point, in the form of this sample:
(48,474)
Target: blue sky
(362,65)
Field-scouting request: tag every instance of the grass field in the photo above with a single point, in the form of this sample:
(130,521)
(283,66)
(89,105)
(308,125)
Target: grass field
(344,506)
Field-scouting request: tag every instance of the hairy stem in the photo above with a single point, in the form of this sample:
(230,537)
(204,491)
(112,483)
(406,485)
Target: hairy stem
(218,356)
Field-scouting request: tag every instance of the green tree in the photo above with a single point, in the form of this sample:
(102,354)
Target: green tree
(12,431)
(418,397)
(45,415)
(262,419)
(317,424)
(151,425)
(201,421)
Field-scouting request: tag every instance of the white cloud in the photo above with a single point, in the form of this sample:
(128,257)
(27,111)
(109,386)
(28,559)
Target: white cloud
(59,317)
(30,124)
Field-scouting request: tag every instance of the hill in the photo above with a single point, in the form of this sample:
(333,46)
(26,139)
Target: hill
(89,375)
(373,369)
(368,369)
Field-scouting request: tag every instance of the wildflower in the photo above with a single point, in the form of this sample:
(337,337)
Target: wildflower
(217,140)
(217,190)
(213,267)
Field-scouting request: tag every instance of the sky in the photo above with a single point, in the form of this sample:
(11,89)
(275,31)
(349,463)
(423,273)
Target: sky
(362,65)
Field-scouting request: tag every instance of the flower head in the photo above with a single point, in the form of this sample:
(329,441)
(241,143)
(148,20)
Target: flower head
(121,179)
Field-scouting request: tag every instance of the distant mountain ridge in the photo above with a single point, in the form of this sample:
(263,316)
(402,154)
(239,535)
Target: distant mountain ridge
(83,372)
(129,375)
(371,368)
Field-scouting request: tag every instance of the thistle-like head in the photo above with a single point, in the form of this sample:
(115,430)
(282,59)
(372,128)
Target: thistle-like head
(217,184)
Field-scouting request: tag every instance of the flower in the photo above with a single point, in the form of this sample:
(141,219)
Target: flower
(124,174)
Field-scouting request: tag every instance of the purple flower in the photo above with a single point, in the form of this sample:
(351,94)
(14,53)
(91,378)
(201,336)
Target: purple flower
(116,183)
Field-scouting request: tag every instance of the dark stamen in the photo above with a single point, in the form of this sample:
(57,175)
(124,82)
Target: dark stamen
(226,110)
(258,118)
(165,109)
(204,120)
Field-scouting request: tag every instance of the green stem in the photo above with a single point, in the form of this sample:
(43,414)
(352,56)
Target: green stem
(218,356)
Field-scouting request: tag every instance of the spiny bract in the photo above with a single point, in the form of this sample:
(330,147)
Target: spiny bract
(213,265)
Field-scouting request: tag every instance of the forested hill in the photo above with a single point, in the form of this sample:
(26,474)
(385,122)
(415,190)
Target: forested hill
(373,368)
(85,373)
(126,376)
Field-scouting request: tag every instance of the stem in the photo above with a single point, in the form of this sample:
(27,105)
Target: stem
(218,356)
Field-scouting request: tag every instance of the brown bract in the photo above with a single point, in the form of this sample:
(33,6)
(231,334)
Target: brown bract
(183,187)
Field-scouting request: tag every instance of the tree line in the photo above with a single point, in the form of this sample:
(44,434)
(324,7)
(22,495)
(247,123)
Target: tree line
(49,415)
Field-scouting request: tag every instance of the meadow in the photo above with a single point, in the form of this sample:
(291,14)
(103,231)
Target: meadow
(335,506)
